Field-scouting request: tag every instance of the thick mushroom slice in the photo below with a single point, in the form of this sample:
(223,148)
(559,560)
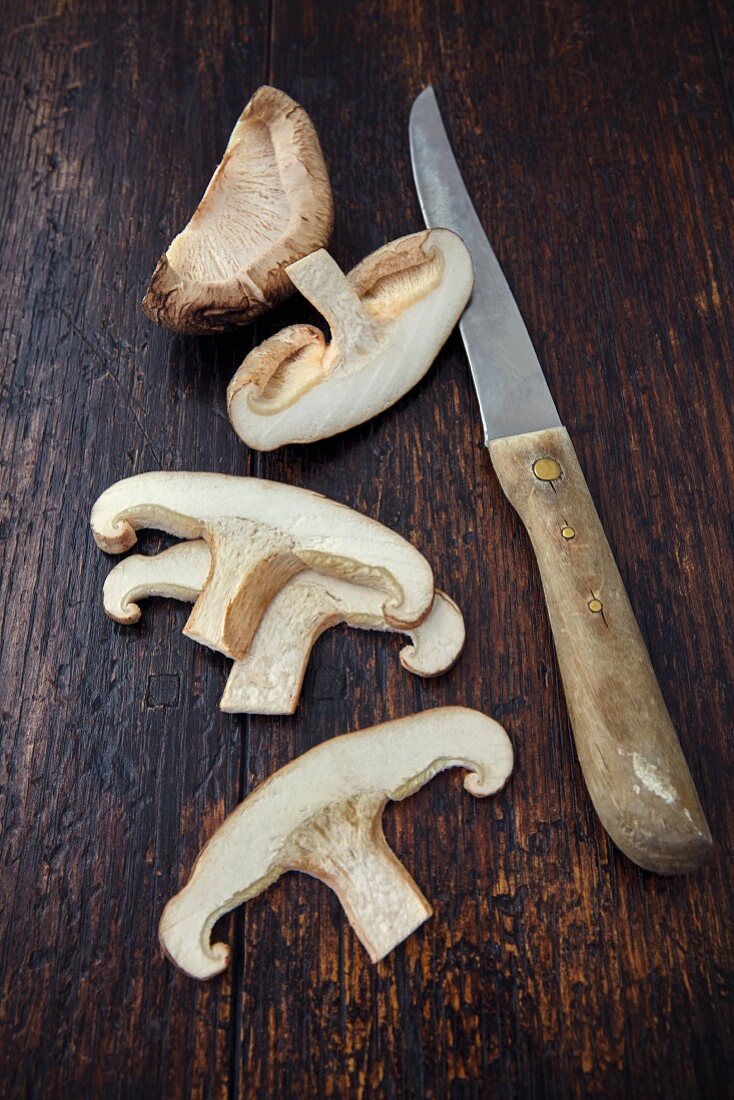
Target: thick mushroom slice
(260,534)
(389,318)
(322,814)
(268,679)
(268,204)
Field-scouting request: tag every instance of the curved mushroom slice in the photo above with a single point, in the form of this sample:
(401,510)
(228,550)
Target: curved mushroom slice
(268,204)
(260,534)
(322,814)
(389,318)
(178,573)
(269,677)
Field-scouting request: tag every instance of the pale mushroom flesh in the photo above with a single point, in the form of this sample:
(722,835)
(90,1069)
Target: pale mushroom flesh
(268,679)
(389,318)
(261,534)
(321,814)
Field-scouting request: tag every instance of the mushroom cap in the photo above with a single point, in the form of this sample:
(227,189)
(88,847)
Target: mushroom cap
(326,536)
(252,848)
(268,204)
(268,679)
(179,573)
(397,309)
(438,641)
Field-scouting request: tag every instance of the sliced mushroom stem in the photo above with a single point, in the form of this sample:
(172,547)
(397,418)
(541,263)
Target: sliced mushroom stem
(349,854)
(268,678)
(243,562)
(260,534)
(389,317)
(320,279)
(321,814)
(345,848)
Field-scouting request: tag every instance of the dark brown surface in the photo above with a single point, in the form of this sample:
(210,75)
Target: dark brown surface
(598,140)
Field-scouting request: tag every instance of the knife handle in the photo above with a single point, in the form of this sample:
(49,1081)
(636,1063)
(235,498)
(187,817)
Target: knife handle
(630,755)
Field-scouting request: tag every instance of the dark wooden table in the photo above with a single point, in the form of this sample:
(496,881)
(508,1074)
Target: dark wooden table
(597,139)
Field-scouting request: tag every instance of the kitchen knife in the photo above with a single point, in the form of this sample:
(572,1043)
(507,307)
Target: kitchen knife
(630,755)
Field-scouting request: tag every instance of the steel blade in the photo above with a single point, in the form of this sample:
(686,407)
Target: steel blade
(511,387)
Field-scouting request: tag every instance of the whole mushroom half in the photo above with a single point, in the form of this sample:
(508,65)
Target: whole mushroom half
(322,814)
(261,534)
(268,204)
(268,679)
(389,318)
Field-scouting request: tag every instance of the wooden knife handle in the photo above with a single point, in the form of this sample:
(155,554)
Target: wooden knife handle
(630,755)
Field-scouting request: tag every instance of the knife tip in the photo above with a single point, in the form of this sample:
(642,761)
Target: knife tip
(423,99)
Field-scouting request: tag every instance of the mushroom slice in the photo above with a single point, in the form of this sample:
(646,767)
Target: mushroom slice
(269,677)
(389,318)
(268,204)
(260,534)
(178,573)
(322,814)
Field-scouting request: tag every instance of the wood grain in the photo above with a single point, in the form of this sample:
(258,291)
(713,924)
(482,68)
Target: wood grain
(598,141)
(630,755)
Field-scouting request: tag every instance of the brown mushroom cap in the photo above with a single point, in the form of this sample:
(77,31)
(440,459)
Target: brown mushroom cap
(268,204)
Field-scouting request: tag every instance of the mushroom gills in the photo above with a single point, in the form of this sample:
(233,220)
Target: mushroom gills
(322,814)
(260,535)
(389,318)
(268,204)
(241,215)
(268,679)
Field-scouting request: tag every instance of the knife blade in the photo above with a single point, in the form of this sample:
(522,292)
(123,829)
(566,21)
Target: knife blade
(627,746)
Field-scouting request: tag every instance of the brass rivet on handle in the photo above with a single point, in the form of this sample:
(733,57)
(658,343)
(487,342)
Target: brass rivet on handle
(568,532)
(595,606)
(547,469)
